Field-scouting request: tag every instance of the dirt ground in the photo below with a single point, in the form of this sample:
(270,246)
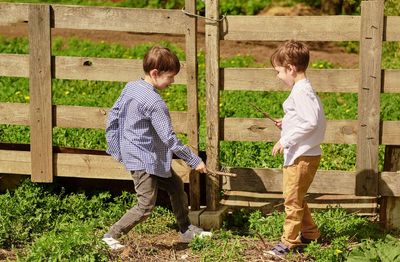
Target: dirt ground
(166,247)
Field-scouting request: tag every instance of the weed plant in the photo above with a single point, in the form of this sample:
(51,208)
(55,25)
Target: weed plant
(222,246)
(47,224)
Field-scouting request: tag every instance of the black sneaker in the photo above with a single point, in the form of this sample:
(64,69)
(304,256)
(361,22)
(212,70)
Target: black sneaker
(306,240)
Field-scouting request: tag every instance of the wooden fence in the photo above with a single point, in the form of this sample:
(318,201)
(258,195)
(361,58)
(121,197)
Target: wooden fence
(371,28)
(41,67)
(369,81)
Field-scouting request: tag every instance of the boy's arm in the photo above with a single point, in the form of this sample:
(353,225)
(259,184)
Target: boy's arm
(161,122)
(112,130)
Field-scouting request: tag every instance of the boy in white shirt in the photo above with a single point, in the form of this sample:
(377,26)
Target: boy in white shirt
(302,131)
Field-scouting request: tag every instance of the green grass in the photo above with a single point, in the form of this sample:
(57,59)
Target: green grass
(45,223)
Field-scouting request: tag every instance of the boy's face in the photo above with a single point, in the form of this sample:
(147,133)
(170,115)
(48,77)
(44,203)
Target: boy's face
(162,80)
(285,74)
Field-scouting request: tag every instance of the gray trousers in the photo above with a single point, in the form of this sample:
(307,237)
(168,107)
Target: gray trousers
(146,187)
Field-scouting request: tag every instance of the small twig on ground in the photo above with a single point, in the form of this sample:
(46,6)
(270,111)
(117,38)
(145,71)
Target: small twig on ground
(262,239)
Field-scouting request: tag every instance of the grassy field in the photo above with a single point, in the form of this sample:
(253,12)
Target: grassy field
(46,223)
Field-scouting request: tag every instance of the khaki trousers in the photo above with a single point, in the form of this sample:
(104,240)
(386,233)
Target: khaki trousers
(146,187)
(297,178)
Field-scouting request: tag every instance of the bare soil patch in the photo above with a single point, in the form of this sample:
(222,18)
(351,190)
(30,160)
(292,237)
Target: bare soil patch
(166,247)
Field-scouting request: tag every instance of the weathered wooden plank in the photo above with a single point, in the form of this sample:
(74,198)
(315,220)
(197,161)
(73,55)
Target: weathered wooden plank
(264,79)
(13,13)
(96,117)
(369,97)
(75,116)
(257,182)
(392,28)
(89,166)
(104,69)
(14,65)
(14,114)
(40,93)
(192,99)
(102,18)
(212,98)
(80,117)
(282,28)
(269,202)
(389,183)
(83,68)
(250,79)
(78,165)
(119,19)
(259,129)
(263,180)
(103,167)
(390,206)
(15,162)
(391,81)
(390,133)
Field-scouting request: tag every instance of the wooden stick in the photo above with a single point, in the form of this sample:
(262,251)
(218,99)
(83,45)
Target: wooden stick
(219,173)
(266,115)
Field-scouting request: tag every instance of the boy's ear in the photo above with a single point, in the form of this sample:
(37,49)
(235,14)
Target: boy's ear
(292,68)
(153,73)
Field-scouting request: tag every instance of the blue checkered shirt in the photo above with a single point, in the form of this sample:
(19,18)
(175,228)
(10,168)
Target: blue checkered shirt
(141,124)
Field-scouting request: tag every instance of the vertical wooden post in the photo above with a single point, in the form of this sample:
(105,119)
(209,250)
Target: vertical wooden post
(368,97)
(390,206)
(212,96)
(192,99)
(40,93)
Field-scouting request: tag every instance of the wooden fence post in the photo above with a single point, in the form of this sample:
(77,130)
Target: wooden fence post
(192,99)
(390,206)
(212,96)
(40,93)
(368,97)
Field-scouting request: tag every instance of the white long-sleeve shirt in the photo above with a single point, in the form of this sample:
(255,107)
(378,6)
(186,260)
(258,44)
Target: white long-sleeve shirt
(304,124)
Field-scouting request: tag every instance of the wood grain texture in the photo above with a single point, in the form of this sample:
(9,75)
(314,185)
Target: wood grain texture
(192,99)
(212,100)
(369,97)
(282,28)
(40,93)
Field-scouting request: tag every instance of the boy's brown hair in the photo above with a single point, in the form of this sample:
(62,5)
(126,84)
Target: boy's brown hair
(291,53)
(162,59)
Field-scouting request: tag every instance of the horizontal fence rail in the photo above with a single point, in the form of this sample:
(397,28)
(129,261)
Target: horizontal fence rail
(83,68)
(75,116)
(324,80)
(102,18)
(304,28)
(261,180)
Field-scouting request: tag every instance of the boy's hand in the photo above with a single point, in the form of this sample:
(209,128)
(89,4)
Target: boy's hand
(278,148)
(201,167)
(278,124)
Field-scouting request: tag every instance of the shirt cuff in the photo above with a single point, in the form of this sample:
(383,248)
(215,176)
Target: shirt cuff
(194,162)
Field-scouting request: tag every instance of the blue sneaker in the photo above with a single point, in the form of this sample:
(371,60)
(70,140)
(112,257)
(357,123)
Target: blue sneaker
(280,250)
